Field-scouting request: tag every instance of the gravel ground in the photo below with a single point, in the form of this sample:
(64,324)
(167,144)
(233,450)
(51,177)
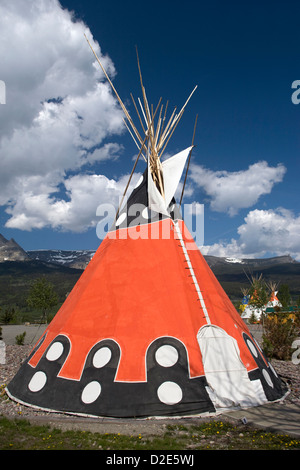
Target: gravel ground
(15,355)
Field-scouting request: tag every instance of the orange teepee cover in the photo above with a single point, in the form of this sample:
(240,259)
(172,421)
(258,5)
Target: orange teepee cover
(146,331)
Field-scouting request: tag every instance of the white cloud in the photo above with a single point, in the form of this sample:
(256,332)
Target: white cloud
(275,231)
(59,112)
(225,250)
(76,212)
(110,151)
(264,232)
(231,191)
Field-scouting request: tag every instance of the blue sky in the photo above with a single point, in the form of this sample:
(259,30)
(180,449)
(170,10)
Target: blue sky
(63,147)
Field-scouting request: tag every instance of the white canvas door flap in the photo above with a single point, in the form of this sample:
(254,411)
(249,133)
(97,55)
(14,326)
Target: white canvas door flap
(172,171)
(227,377)
(173,168)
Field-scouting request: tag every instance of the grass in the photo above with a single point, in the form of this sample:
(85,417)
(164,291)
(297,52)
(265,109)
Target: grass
(19,434)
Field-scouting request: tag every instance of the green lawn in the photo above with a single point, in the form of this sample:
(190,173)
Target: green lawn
(19,434)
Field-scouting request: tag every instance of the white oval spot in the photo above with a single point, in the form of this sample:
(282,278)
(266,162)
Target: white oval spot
(37,381)
(273,370)
(169,393)
(101,357)
(268,378)
(55,351)
(91,392)
(252,348)
(166,356)
(121,218)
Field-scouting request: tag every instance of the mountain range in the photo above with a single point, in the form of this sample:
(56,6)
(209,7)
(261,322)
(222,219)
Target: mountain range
(63,268)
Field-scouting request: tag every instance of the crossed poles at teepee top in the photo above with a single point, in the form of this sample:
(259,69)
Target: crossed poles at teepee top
(155,140)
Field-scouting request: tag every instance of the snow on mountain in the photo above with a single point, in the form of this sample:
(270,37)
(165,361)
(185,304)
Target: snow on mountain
(71,258)
(234,260)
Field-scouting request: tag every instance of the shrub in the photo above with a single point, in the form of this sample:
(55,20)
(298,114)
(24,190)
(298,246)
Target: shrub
(20,339)
(279,333)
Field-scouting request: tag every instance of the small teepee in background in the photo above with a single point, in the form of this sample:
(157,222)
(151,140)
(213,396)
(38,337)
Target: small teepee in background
(256,299)
(246,296)
(147,330)
(273,301)
(245,299)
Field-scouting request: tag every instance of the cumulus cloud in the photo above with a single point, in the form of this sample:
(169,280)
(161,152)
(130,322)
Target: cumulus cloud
(76,212)
(60,114)
(275,231)
(230,249)
(231,191)
(264,232)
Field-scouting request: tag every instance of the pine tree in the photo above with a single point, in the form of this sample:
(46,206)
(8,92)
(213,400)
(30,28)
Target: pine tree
(42,296)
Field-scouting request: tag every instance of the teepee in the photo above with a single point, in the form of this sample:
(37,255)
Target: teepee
(147,330)
(254,308)
(245,299)
(250,308)
(273,300)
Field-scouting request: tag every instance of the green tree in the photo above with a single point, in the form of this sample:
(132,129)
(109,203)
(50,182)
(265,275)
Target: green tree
(258,292)
(8,315)
(42,296)
(284,295)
